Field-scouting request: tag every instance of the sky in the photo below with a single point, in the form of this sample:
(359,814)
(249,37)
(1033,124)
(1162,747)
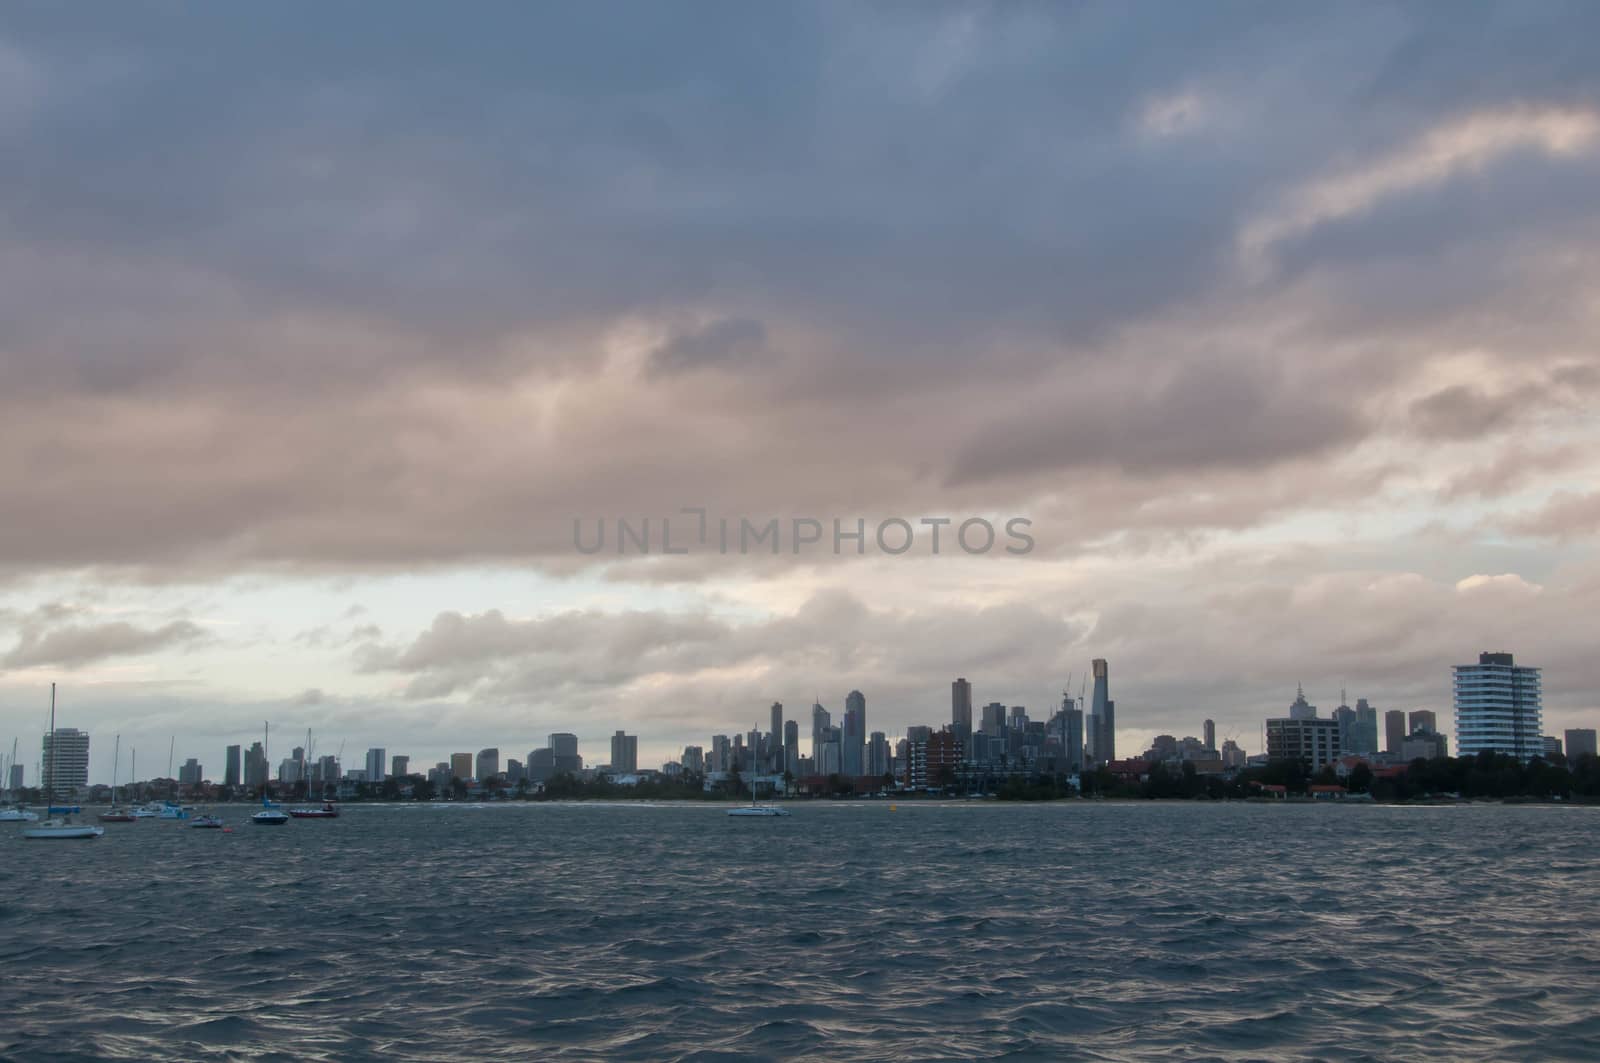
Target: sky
(321,327)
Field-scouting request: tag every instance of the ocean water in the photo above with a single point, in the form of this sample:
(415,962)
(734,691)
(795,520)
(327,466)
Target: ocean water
(1096,931)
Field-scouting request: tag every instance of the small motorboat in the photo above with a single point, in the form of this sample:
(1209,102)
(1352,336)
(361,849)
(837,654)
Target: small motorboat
(758,810)
(206,822)
(17,815)
(270,817)
(117,815)
(327,811)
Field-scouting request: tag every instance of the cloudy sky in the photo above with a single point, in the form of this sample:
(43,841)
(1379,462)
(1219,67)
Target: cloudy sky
(320,326)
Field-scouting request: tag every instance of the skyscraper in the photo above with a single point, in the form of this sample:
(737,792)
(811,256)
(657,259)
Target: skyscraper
(1072,733)
(461,766)
(376,762)
(791,747)
(994,719)
(1300,708)
(1102,716)
(820,722)
(1209,729)
(1498,705)
(488,762)
(1366,729)
(1394,731)
(400,765)
(624,753)
(66,760)
(1424,721)
(15,782)
(853,735)
(877,759)
(776,742)
(191,773)
(961,714)
(230,771)
(255,766)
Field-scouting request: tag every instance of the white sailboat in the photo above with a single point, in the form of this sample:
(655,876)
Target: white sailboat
(270,815)
(61,827)
(755,810)
(17,814)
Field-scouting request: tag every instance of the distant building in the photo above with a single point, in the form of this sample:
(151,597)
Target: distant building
(66,760)
(461,766)
(376,763)
(1580,743)
(776,741)
(230,772)
(994,719)
(1102,723)
(15,782)
(1394,731)
(791,747)
(1300,708)
(877,764)
(1346,717)
(1498,707)
(1429,745)
(1366,730)
(541,765)
(515,771)
(255,766)
(400,766)
(1424,721)
(624,753)
(961,713)
(1312,740)
(944,756)
(191,773)
(1552,749)
(1232,755)
(853,734)
(1209,729)
(488,764)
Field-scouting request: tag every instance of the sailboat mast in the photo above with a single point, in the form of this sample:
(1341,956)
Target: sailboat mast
(49,777)
(116,757)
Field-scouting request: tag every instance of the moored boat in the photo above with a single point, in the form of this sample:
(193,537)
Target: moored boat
(206,822)
(327,811)
(59,827)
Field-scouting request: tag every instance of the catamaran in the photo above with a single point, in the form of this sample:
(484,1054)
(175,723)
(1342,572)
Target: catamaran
(753,809)
(57,827)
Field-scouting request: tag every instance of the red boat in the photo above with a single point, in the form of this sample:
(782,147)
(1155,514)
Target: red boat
(327,811)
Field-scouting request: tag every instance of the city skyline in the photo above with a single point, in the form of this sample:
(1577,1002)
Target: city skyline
(1274,324)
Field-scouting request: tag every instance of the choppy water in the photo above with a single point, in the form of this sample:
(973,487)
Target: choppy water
(936,931)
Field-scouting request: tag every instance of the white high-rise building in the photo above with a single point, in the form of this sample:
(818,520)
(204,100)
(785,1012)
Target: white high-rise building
(376,759)
(1498,708)
(66,760)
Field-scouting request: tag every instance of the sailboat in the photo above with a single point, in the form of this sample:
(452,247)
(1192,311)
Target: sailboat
(57,827)
(328,809)
(270,815)
(18,814)
(115,814)
(753,809)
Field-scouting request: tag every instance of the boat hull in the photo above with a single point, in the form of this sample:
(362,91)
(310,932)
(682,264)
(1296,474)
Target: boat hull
(269,819)
(62,833)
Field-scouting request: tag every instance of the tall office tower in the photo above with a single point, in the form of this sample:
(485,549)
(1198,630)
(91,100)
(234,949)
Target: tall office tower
(918,733)
(191,773)
(877,755)
(820,722)
(66,759)
(994,719)
(775,743)
(1300,708)
(15,782)
(1580,743)
(1394,731)
(694,760)
(1345,717)
(624,753)
(721,748)
(1209,729)
(488,763)
(461,766)
(791,747)
(399,765)
(1424,721)
(736,755)
(377,759)
(961,714)
(564,751)
(1100,732)
(829,755)
(255,766)
(1498,706)
(1366,729)
(230,771)
(1072,734)
(541,765)
(1313,740)
(515,771)
(1018,720)
(853,735)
